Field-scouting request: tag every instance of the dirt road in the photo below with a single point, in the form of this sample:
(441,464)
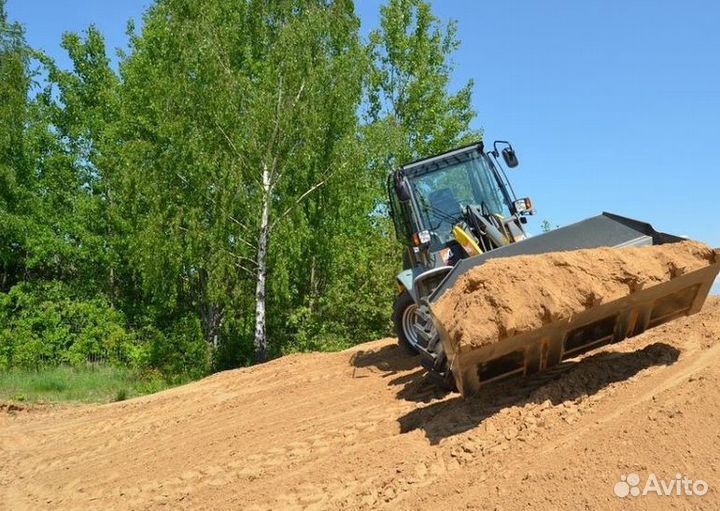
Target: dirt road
(363,429)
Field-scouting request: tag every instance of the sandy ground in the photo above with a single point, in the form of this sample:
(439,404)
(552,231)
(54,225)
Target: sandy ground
(364,429)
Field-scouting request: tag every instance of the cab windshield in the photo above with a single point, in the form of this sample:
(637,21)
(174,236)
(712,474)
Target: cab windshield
(442,195)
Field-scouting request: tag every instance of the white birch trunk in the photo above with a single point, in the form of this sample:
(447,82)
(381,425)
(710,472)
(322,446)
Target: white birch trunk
(261,345)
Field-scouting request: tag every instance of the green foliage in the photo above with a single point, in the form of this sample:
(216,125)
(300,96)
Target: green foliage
(48,324)
(132,203)
(280,95)
(409,85)
(45,325)
(14,87)
(180,350)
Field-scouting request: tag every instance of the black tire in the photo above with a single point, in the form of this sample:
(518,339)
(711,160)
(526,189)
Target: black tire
(404,305)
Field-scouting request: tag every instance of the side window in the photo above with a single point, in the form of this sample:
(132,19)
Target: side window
(400,219)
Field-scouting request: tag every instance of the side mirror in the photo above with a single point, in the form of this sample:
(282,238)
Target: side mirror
(402,188)
(508,153)
(510,157)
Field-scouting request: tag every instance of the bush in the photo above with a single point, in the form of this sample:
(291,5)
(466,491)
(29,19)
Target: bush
(179,350)
(45,324)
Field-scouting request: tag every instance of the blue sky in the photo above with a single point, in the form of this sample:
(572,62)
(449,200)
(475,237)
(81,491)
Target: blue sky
(611,105)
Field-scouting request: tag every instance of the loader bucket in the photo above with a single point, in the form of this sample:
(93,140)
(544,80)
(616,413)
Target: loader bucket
(536,350)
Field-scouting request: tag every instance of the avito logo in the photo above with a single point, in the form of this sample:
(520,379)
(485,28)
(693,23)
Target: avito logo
(630,486)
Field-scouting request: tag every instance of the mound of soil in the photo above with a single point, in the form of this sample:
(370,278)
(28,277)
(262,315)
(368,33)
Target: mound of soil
(509,296)
(365,429)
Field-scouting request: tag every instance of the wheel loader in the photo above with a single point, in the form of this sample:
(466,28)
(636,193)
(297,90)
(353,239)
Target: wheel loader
(457,210)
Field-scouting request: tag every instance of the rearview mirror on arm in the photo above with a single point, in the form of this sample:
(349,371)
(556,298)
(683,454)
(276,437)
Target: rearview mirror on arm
(510,157)
(508,153)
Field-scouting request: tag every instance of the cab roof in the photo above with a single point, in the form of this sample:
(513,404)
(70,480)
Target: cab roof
(438,161)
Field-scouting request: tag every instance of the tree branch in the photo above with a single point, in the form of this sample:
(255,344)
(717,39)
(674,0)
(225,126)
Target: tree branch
(305,194)
(238,258)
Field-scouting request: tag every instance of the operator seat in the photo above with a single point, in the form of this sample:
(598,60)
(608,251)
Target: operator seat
(444,200)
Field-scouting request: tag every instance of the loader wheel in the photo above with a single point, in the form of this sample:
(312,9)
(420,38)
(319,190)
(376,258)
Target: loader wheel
(404,318)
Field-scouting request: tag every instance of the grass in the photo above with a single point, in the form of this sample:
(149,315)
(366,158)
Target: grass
(91,384)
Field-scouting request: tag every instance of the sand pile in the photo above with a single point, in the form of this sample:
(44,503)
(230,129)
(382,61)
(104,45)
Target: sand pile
(509,296)
(365,430)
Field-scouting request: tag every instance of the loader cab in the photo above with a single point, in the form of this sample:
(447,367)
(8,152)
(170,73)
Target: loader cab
(464,189)
(446,208)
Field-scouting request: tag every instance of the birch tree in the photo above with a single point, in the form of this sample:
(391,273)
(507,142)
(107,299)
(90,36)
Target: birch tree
(236,113)
(223,193)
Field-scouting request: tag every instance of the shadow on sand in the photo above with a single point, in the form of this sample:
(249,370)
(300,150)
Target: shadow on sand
(390,359)
(453,415)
